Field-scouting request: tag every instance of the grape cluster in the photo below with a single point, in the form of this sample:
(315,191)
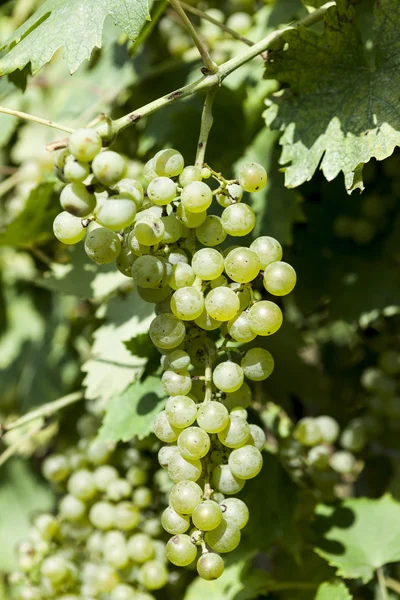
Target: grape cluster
(103,540)
(382,385)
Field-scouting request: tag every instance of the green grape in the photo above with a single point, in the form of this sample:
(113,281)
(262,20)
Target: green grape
(148,271)
(173,522)
(354,437)
(245,462)
(54,568)
(252,177)
(77,200)
(307,432)
(31,593)
(185,496)
(212,416)
(172,229)
(190,219)
(154,295)
(143,497)
(132,188)
(189,174)
(161,191)
(153,575)
(102,245)
(148,171)
(103,476)
(206,322)
(268,250)
(207,264)
(238,220)
(136,476)
(318,457)
(167,332)
(187,303)
(228,376)
(222,304)
(180,550)
(182,276)
(196,197)
(257,436)
(328,427)
(56,468)
(98,452)
(257,364)
(136,248)
(193,443)
(234,194)
(178,360)
(106,579)
(239,329)
(265,317)
(224,481)
(176,383)
(152,527)
(235,511)
(68,229)
(47,525)
(84,144)
(168,163)
(74,170)
(181,411)
(389,361)
(221,280)
(149,230)
(126,516)
(82,485)
(342,462)
(279,278)
(123,591)
(240,22)
(207,515)
(236,433)
(71,508)
(164,430)
(109,167)
(242,265)
(211,231)
(117,212)
(118,488)
(206,173)
(210,566)
(224,538)
(180,469)
(102,515)
(244,293)
(116,556)
(242,397)
(140,548)
(125,261)
(375,381)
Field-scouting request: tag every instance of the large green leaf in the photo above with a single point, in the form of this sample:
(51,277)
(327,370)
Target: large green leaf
(333,591)
(73,25)
(342,103)
(359,536)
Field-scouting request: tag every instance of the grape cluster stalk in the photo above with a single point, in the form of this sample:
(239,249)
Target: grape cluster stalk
(211,299)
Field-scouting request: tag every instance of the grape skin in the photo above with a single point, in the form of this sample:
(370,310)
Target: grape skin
(68,229)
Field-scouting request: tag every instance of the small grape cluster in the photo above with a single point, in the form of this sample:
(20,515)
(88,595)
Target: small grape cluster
(382,384)
(103,541)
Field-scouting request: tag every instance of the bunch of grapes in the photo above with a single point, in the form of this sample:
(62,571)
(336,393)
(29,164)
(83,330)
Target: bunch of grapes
(103,541)
(382,384)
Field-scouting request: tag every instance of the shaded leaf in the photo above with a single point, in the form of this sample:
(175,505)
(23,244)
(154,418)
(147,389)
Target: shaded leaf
(333,591)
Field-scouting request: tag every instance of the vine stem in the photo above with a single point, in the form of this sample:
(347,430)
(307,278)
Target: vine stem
(13,448)
(209,65)
(34,119)
(382,583)
(207,120)
(393,584)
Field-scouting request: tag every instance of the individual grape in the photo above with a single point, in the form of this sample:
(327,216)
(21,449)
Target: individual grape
(180,469)
(47,526)
(265,317)
(242,265)
(245,462)
(206,173)
(244,293)
(189,174)
(117,212)
(207,264)
(307,432)
(68,229)
(257,364)
(224,538)
(55,568)
(185,496)
(212,416)
(240,22)
(236,433)
(176,383)
(224,481)
(180,550)
(242,397)
(239,328)
(71,508)
(182,276)
(207,515)
(210,566)
(125,260)
(328,428)
(235,511)
(154,295)
(136,475)
(375,381)
(206,322)
(149,230)
(106,579)
(318,457)
(75,171)
(193,443)
(222,304)
(234,193)
(123,591)
(140,548)
(153,575)
(178,360)
(196,197)
(164,430)
(119,488)
(84,144)
(109,167)
(389,361)
(238,220)
(99,452)
(268,250)
(181,411)
(116,556)
(342,462)
(148,171)
(190,219)
(102,515)
(102,245)
(166,331)
(33,593)
(257,436)
(354,437)
(172,229)
(126,516)
(161,191)
(211,232)
(133,189)
(168,163)
(77,200)
(228,376)
(82,485)
(252,177)
(165,454)
(148,271)
(279,278)
(142,497)
(103,476)
(221,280)
(55,468)
(187,303)
(173,522)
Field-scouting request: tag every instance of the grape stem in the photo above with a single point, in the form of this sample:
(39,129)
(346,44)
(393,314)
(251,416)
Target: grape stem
(207,120)
(209,65)
(393,584)
(34,119)
(14,448)
(382,583)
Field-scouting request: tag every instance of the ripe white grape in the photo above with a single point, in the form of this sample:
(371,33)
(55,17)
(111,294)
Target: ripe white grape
(168,163)
(102,515)
(180,550)
(268,250)
(224,538)
(190,219)
(225,482)
(240,22)
(207,264)
(148,171)
(158,295)
(82,485)
(257,364)
(228,376)
(164,430)
(153,575)
(234,194)
(74,170)
(178,360)
(328,427)
(126,516)
(149,230)
(123,591)
(206,322)
(207,515)
(167,332)
(181,469)
(211,232)
(196,197)
(354,437)
(102,245)
(187,303)
(181,411)
(189,174)
(133,188)
(71,508)
(140,548)
(54,568)
(342,462)
(235,511)
(84,144)
(222,304)
(172,229)
(173,522)
(236,433)
(165,454)
(68,229)
(185,496)
(109,167)
(117,212)
(242,265)
(212,416)
(161,191)
(257,436)
(210,566)
(182,276)
(252,177)
(148,271)
(238,219)
(118,488)
(77,200)
(265,317)
(242,397)
(103,476)
(193,443)
(124,261)
(307,432)
(239,328)
(245,462)
(176,383)
(279,278)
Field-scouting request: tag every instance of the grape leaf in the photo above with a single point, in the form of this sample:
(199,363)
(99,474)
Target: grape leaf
(132,412)
(73,25)
(358,537)
(342,103)
(333,591)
